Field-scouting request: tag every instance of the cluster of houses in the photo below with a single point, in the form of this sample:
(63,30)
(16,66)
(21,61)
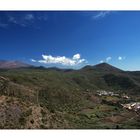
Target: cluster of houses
(110,93)
(106,93)
(132,106)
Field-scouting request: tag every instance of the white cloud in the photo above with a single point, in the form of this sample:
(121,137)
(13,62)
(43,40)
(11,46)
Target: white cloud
(76,56)
(12,19)
(101,61)
(29,17)
(23,19)
(33,60)
(81,61)
(101,14)
(121,58)
(108,59)
(49,59)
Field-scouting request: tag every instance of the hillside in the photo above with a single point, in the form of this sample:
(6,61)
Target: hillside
(12,64)
(38,97)
(103,67)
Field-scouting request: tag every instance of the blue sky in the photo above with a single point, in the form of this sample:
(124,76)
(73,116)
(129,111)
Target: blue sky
(71,39)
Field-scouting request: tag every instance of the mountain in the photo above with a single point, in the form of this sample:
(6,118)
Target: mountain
(50,98)
(103,67)
(12,64)
(106,67)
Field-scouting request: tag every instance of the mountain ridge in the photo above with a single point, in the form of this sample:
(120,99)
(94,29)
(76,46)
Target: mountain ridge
(13,64)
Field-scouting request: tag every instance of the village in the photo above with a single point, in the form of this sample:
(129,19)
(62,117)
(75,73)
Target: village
(106,93)
(133,106)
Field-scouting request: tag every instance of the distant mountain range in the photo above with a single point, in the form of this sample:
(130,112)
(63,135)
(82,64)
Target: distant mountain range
(102,67)
(102,75)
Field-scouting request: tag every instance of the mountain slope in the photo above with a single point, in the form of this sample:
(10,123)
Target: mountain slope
(12,64)
(103,67)
(36,97)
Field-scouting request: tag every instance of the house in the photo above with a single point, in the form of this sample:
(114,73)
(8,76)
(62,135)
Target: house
(132,106)
(106,93)
(126,97)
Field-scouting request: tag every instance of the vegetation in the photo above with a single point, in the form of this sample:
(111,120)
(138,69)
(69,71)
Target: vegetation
(53,98)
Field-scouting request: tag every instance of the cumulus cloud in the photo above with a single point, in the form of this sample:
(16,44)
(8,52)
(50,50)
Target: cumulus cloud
(121,58)
(101,14)
(101,61)
(76,56)
(108,59)
(63,60)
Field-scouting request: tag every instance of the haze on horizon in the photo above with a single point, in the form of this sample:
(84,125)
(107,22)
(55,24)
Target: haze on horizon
(71,39)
